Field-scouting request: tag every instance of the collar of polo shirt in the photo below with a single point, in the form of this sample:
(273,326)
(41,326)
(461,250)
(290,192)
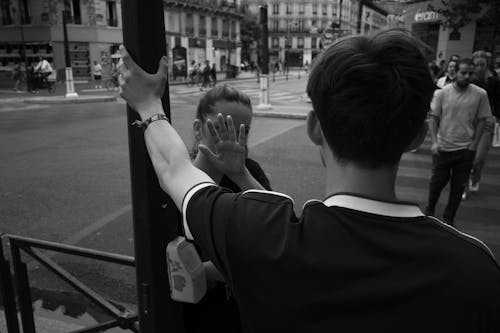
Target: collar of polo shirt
(393,209)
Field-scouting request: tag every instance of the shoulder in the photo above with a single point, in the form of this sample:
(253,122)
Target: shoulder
(471,249)
(477,90)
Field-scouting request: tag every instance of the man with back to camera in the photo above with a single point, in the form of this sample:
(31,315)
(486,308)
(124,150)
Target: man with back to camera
(359,261)
(458,115)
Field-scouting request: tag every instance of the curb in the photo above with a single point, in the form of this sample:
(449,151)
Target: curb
(71,100)
(281,115)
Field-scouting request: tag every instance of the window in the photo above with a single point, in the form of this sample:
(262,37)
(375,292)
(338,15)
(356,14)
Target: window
(214,27)
(202,29)
(73,7)
(25,12)
(288,8)
(300,42)
(276,8)
(315,8)
(111,14)
(189,24)
(314,24)
(275,42)
(244,8)
(225,28)
(6,14)
(275,25)
(314,43)
(300,26)
(233,30)
(324,9)
(301,8)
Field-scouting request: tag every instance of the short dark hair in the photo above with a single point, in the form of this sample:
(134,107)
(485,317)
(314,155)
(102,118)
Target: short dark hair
(217,94)
(371,96)
(464,61)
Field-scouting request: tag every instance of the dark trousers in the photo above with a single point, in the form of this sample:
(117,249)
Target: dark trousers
(455,167)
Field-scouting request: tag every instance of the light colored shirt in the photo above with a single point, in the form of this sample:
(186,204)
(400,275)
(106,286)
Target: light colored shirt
(44,67)
(459,112)
(97,69)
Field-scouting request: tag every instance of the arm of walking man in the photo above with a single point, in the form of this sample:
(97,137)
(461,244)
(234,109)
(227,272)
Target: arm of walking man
(483,114)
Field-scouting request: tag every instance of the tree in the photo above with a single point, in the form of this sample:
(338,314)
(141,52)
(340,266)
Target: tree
(458,13)
(249,34)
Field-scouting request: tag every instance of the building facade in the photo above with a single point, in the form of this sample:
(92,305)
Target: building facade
(296,27)
(445,42)
(94,32)
(207,29)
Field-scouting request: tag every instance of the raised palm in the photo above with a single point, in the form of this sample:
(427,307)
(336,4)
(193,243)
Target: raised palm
(230,152)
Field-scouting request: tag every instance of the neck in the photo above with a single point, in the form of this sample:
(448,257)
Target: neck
(203,164)
(377,183)
(459,87)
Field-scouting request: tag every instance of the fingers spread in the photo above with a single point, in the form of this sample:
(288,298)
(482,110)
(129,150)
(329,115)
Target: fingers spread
(222,126)
(242,139)
(213,131)
(230,128)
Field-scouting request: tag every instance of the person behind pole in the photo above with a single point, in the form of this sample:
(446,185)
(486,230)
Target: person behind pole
(485,79)
(459,113)
(213,74)
(193,71)
(97,71)
(361,260)
(449,76)
(218,311)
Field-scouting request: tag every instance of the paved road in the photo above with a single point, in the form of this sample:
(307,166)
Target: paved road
(65,177)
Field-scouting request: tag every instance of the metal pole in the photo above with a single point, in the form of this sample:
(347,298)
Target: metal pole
(155,217)
(23,47)
(287,46)
(264,65)
(70,85)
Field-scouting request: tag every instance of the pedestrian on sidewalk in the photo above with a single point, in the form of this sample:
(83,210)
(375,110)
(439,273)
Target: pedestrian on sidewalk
(218,310)
(213,74)
(97,71)
(17,77)
(361,260)
(206,73)
(449,76)
(485,79)
(459,113)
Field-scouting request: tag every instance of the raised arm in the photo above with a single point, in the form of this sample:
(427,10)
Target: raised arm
(169,155)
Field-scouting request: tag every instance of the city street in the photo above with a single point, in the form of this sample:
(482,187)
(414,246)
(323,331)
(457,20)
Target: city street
(65,176)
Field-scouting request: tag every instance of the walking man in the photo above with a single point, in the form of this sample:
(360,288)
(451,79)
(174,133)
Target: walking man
(458,114)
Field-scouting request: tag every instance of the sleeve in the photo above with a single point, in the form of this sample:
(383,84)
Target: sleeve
(437,104)
(484,110)
(257,173)
(226,225)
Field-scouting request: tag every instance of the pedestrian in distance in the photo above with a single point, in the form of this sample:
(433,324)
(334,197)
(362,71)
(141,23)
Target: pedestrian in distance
(449,76)
(485,79)
(359,261)
(459,113)
(213,74)
(17,77)
(206,73)
(218,311)
(97,72)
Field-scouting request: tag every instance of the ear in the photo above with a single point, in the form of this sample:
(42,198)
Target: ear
(197,129)
(419,138)
(314,128)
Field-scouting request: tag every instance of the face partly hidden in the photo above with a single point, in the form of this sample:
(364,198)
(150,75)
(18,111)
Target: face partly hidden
(464,74)
(480,65)
(240,113)
(452,69)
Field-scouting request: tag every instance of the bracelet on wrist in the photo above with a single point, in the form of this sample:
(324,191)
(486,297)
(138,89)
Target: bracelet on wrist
(145,123)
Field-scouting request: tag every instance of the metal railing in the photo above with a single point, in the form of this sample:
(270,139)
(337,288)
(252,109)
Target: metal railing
(30,246)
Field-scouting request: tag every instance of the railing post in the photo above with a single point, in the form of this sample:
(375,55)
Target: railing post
(23,289)
(155,217)
(9,301)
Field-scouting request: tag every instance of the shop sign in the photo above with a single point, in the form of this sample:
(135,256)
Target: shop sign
(426,16)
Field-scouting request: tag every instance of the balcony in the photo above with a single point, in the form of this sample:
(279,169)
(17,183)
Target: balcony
(189,31)
(202,32)
(211,6)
